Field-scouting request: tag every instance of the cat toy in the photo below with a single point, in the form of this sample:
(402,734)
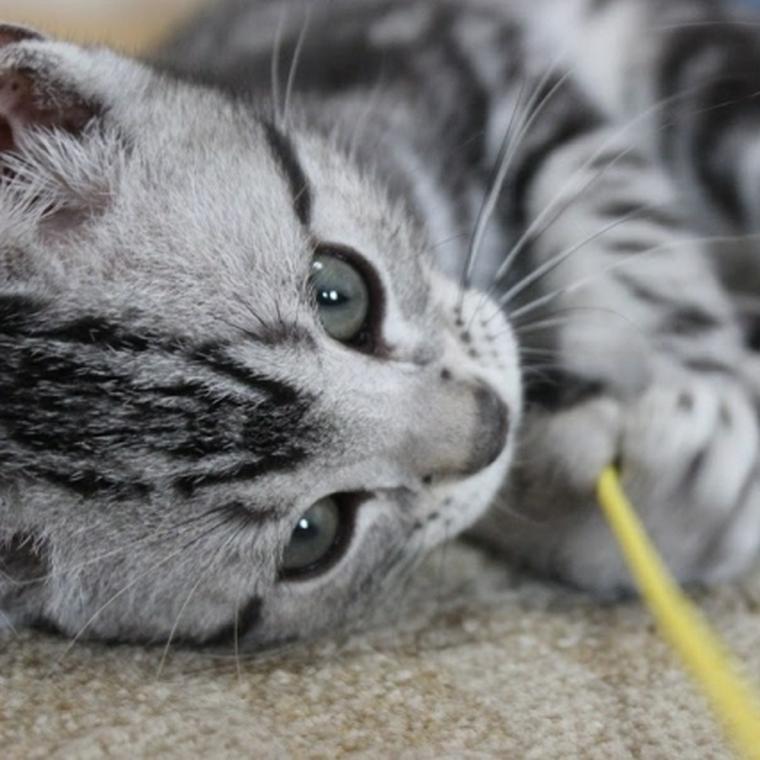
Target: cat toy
(681,624)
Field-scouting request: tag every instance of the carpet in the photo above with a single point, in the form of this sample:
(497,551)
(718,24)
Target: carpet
(478,662)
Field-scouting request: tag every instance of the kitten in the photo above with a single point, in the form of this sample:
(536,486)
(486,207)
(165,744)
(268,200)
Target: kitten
(277,307)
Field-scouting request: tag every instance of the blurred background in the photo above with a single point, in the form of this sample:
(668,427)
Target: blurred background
(128,24)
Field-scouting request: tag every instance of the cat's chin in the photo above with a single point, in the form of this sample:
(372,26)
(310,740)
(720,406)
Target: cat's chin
(462,503)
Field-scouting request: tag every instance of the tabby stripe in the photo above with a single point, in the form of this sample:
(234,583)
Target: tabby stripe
(15,311)
(725,99)
(709,367)
(627,246)
(618,209)
(97,331)
(682,319)
(214,359)
(187,485)
(285,153)
(573,126)
(472,95)
(89,483)
(628,160)
(559,390)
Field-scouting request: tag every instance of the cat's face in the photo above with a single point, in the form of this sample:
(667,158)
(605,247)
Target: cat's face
(236,399)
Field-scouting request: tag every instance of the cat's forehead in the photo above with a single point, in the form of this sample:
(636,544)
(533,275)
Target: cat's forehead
(242,198)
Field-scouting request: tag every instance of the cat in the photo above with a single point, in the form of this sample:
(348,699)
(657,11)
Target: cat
(322,285)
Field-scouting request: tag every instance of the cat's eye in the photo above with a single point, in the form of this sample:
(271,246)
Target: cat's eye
(318,539)
(342,295)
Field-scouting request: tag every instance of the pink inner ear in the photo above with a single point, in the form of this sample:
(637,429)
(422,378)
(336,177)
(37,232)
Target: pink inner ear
(15,99)
(22,102)
(10,34)
(21,107)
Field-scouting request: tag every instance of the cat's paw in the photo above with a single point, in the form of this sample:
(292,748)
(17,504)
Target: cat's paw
(688,456)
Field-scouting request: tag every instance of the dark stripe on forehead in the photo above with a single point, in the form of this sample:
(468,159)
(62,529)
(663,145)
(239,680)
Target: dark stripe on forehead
(86,404)
(289,459)
(285,153)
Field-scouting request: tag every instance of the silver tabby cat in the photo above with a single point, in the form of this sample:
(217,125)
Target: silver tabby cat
(325,284)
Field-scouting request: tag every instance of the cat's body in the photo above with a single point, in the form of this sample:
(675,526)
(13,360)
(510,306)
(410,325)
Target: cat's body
(175,400)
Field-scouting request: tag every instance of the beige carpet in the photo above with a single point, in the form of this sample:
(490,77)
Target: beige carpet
(489,665)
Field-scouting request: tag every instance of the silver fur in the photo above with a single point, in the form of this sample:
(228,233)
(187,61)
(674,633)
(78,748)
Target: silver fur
(173,405)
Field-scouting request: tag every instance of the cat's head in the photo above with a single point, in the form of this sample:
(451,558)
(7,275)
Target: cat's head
(236,398)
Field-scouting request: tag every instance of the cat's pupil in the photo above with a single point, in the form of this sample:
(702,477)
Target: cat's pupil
(342,296)
(331,298)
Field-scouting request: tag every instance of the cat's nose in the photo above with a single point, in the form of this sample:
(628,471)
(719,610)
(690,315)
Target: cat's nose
(457,429)
(492,428)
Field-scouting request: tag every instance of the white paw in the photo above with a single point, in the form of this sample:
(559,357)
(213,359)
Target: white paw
(688,454)
(689,458)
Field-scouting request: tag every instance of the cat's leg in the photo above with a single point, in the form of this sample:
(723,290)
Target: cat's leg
(684,74)
(642,366)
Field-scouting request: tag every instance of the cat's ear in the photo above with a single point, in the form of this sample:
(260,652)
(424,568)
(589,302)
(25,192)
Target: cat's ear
(32,91)
(10,33)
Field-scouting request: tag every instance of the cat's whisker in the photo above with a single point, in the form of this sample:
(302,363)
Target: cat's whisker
(548,266)
(182,550)
(532,232)
(7,624)
(173,631)
(201,577)
(157,538)
(697,24)
(236,641)
(294,64)
(360,127)
(277,113)
(115,597)
(495,186)
(548,298)
(450,239)
(554,321)
(531,112)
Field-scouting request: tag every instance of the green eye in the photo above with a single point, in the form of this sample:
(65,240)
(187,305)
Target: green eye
(342,296)
(315,538)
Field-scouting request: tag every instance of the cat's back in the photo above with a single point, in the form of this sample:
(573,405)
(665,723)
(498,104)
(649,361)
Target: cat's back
(245,45)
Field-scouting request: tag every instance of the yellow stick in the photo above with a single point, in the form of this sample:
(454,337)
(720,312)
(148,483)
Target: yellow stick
(682,624)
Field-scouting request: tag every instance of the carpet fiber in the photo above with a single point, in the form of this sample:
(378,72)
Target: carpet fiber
(489,665)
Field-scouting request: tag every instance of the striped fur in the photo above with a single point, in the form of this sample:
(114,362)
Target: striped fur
(535,189)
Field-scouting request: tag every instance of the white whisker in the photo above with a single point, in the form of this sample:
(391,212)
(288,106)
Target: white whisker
(277,115)
(556,260)
(294,63)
